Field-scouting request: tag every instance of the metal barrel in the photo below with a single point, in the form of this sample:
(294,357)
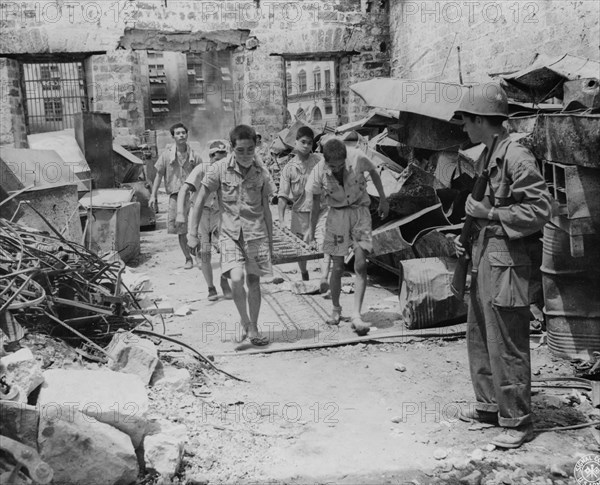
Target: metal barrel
(571,299)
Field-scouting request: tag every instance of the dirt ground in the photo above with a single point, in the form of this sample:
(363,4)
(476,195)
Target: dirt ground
(341,414)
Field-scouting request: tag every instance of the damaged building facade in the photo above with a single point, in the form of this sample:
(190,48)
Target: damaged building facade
(146,61)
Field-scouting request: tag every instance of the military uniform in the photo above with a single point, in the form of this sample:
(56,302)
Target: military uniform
(498,317)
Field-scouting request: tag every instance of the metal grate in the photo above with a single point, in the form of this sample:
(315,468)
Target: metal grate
(54,92)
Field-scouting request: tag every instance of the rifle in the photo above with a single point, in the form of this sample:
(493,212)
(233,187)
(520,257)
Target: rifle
(459,280)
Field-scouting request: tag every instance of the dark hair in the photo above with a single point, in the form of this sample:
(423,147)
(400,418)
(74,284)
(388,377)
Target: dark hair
(495,121)
(177,125)
(334,149)
(242,132)
(305,131)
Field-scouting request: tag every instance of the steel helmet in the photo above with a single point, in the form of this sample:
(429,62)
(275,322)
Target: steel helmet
(486,99)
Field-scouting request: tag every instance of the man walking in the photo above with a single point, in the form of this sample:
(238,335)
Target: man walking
(341,177)
(516,205)
(174,165)
(210,219)
(292,186)
(243,187)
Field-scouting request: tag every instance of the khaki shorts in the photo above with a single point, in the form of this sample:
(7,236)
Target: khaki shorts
(254,256)
(301,224)
(347,228)
(208,229)
(172,226)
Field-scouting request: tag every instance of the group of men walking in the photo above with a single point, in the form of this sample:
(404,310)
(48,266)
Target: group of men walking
(230,196)
(329,203)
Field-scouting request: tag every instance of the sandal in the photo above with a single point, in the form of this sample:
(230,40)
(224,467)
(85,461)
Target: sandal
(359,327)
(259,341)
(336,316)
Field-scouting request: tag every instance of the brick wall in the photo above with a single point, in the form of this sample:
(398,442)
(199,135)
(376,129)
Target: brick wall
(115,85)
(12,115)
(293,27)
(494,36)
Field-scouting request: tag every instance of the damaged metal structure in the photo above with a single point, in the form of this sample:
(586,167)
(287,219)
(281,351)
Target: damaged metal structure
(427,197)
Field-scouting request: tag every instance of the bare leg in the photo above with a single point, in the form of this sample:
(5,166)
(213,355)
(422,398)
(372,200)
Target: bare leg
(207,270)
(336,288)
(360,269)
(303,270)
(239,297)
(254,301)
(184,247)
(325,264)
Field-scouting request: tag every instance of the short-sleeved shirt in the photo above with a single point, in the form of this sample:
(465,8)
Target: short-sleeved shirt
(175,169)
(240,197)
(354,191)
(517,189)
(194,180)
(292,183)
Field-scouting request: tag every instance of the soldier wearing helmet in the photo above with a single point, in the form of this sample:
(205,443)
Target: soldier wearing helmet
(516,205)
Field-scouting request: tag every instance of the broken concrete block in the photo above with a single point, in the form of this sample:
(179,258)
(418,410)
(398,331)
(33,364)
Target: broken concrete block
(81,449)
(163,450)
(111,397)
(19,421)
(133,355)
(171,378)
(23,371)
(137,361)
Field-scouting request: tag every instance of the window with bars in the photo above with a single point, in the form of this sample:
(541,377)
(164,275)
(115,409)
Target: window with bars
(195,68)
(54,92)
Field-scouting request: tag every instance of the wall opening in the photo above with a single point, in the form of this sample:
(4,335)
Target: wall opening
(195,88)
(314,98)
(54,92)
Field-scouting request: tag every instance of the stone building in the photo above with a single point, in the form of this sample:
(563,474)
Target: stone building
(216,63)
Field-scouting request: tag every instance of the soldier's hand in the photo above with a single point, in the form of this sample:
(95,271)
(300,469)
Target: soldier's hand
(180,219)
(459,248)
(480,210)
(153,204)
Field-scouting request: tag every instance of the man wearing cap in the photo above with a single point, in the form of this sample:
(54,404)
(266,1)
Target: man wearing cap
(516,205)
(210,220)
(174,165)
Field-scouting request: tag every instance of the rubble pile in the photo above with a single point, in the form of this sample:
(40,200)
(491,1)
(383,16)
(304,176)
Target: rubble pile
(59,287)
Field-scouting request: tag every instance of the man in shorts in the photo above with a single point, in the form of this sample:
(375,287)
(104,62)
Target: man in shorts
(210,220)
(174,165)
(243,188)
(340,177)
(292,186)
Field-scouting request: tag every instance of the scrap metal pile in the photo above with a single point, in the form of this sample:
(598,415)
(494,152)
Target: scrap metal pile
(52,285)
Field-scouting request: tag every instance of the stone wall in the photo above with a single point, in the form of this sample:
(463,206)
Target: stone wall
(494,36)
(356,31)
(12,118)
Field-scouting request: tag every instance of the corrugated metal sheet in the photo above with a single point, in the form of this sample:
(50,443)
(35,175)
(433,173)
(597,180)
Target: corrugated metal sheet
(545,77)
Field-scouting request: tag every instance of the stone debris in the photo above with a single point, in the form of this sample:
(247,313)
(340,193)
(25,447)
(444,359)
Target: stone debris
(23,372)
(473,478)
(164,448)
(172,378)
(81,449)
(19,422)
(132,354)
(114,398)
(440,453)
(400,367)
